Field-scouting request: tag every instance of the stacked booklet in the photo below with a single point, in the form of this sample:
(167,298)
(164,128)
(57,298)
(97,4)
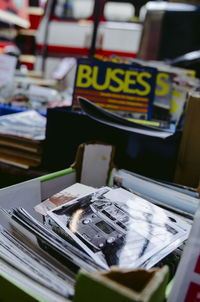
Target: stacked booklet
(21,138)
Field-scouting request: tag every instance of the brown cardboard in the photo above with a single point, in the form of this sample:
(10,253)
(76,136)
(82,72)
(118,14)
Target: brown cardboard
(188,161)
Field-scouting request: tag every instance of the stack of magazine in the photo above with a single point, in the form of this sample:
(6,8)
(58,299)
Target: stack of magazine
(21,138)
(95,231)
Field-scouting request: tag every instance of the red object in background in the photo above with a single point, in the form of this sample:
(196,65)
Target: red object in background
(34,21)
(193,294)
(197,267)
(29,65)
(35,16)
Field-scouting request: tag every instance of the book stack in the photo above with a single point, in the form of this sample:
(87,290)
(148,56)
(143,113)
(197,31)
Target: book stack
(21,138)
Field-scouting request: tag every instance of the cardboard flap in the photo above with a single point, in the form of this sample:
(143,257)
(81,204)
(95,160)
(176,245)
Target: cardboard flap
(94,162)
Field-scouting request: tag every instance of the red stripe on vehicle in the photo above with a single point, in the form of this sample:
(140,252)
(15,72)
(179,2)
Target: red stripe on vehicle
(54,50)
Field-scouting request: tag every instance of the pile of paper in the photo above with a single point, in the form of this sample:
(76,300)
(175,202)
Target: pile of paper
(116,227)
(21,138)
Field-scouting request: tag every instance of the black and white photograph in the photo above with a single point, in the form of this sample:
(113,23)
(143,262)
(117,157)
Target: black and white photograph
(116,227)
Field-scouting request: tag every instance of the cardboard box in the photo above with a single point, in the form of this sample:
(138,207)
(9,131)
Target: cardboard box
(137,285)
(30,193)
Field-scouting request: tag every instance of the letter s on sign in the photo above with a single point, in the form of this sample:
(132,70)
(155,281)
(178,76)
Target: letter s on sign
(142,82)
(164,86)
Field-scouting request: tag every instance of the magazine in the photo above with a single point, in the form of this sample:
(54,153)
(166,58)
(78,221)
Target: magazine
(108,118)
(124,88)
(116,227)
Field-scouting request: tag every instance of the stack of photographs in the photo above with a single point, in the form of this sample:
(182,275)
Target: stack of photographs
(95,231)
(32,271)
(118,228)
(37,259)
(63,250)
